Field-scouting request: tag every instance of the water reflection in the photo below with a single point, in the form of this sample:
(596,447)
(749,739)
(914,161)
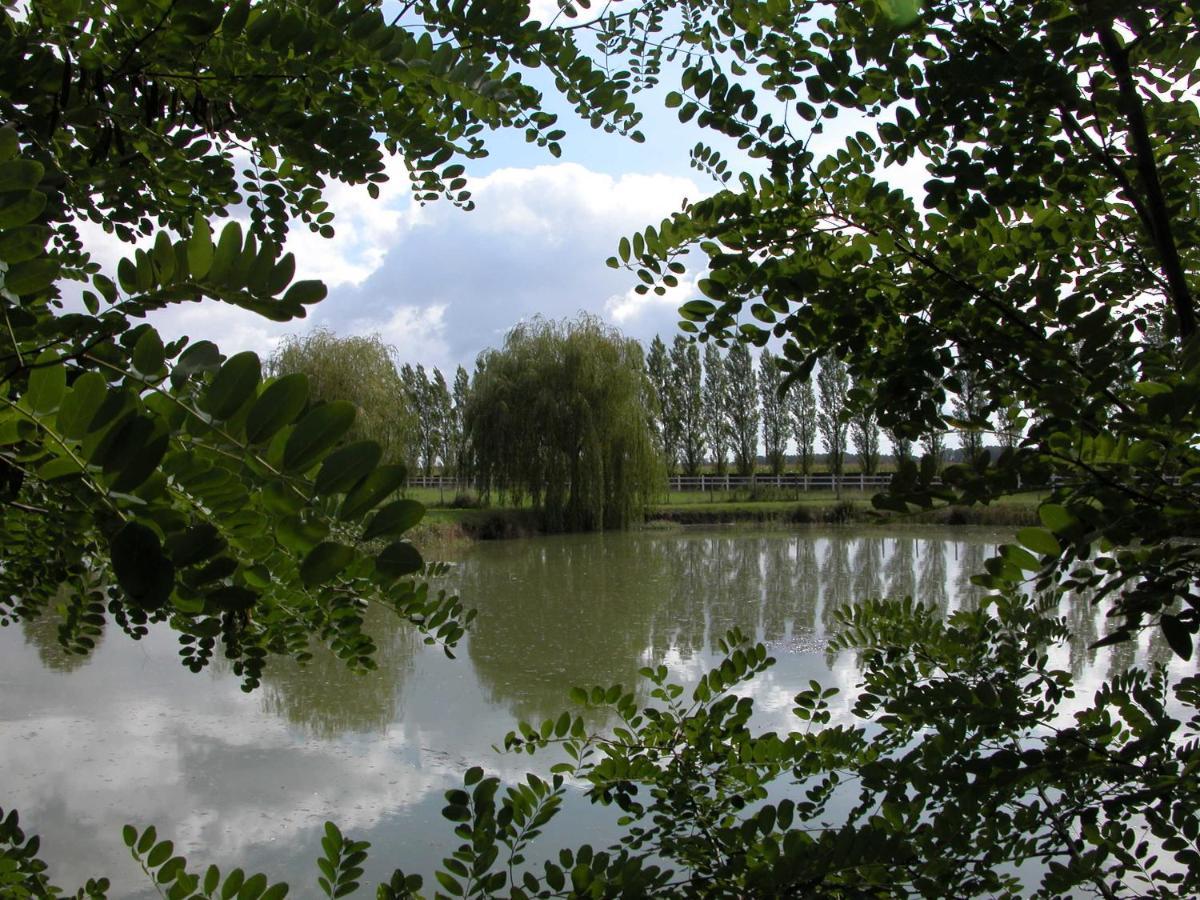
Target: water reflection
(327,700)
(130,736)
(42,632)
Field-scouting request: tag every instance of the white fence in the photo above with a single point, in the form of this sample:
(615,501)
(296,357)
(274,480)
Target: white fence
(793,482)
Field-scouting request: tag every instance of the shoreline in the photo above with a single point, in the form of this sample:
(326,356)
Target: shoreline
(455,526)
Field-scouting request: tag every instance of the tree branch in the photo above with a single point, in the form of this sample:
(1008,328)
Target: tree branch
(1147,166)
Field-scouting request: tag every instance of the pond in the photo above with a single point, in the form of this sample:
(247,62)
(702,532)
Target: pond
(236,779)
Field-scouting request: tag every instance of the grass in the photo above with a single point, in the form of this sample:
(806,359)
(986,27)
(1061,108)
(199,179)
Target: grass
(445,522)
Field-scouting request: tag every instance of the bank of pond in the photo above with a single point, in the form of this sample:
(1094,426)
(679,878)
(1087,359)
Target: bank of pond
(447,522)
(238,779)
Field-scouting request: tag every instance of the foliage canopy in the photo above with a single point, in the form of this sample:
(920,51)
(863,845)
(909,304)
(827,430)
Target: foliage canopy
(1056,231)
(557,415)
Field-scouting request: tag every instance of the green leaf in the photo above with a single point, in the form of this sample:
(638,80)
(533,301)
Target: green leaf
(20,175)
(1056,518)
(1021,557)
(697,310)
(1039,540)
(279,405)
(229,249)
(1178,635)
(317,432)
(232,386)
(301,535)
(140,460)
(47,383)
(21,209)
(373,490)
(23,243)
(81,403)
(148,355)
(235,18)
(346,466)
(32,276)
(202,356)
(140,567)
(253,887)
(306,293)
(9,146)
(324,562)
(399,559)
(395,518)
(160,854)
(200,248)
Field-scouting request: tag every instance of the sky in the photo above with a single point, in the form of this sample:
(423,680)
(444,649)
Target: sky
(441,285)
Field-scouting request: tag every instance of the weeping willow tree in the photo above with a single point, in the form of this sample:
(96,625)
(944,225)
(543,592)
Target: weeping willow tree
(557,417)
(358,368)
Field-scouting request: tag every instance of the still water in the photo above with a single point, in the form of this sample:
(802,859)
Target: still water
(130,736)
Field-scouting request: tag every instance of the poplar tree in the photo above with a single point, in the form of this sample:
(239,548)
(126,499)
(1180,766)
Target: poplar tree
(716,401)
(461,454)
(425,400)
(833,388)
(664,406)
(741,410)
(688,399)
(802,403)
(774,412)
(864,430)
(443,405)
(901,444)
(970,409)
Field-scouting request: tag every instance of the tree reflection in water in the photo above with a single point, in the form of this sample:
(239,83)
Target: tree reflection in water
(589,610)
(328,700)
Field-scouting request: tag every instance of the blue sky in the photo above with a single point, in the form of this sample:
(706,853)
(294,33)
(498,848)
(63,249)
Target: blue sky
(441,284)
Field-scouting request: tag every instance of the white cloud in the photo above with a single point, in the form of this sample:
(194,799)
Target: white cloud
(452,282)
(417,333)
(442,284)
(632,306)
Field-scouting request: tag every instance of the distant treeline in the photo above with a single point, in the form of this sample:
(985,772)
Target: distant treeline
(576,419)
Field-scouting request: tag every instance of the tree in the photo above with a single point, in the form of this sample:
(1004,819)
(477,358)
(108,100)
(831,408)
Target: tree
(774,412)
(741,407)
(901,446)
(716,416)
(1059,149)
(427,397)
(933,447)
(231,508)
(864,430)
(803,406)
(833,390)
(970,409)
(462,463)
(359,369)
(688,391)
(665,405)
(556,415)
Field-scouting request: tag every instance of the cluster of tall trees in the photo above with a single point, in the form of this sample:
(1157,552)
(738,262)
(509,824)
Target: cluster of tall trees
(700,409)
(721,411)
(556,417)
(414,414)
